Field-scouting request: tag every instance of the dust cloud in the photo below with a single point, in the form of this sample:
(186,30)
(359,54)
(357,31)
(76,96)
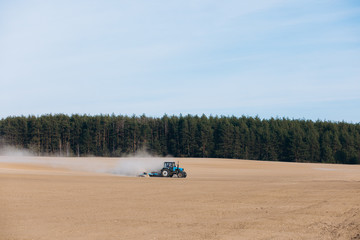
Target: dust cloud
(129,165)
(6,150)
(136,164)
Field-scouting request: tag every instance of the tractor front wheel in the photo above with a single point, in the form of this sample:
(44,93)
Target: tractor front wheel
(181,175)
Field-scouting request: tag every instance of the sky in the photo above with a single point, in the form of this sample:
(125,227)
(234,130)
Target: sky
(297,59)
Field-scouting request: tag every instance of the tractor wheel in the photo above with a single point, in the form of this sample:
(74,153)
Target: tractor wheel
(184,174)
(181,175)
(165,173)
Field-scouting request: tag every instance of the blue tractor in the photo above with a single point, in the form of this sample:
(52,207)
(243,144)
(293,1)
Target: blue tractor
(170,169)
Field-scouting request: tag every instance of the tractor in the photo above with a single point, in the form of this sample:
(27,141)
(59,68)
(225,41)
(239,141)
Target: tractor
(170,169)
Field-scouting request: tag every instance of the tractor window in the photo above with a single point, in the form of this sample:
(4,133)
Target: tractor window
(169,164)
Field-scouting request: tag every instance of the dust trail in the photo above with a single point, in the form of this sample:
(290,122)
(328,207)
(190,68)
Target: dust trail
(6,150)
(137,164)
(130,165)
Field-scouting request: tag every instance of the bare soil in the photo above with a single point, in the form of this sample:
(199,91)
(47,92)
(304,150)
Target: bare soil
(220,199)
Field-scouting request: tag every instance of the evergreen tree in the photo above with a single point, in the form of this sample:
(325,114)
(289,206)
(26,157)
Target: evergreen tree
(189,136)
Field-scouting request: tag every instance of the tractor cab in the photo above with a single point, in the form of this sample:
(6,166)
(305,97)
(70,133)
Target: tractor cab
(169,165)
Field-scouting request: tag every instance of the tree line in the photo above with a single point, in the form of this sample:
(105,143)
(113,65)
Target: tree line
(185,136)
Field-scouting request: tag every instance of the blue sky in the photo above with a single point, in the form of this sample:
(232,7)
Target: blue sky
(273,58)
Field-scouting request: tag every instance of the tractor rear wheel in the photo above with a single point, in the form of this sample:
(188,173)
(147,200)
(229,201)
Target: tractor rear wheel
(165,173)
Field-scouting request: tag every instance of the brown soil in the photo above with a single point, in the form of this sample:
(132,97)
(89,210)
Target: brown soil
(220,199)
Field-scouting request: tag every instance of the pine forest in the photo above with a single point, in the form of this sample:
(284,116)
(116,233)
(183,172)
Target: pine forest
(185,136)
